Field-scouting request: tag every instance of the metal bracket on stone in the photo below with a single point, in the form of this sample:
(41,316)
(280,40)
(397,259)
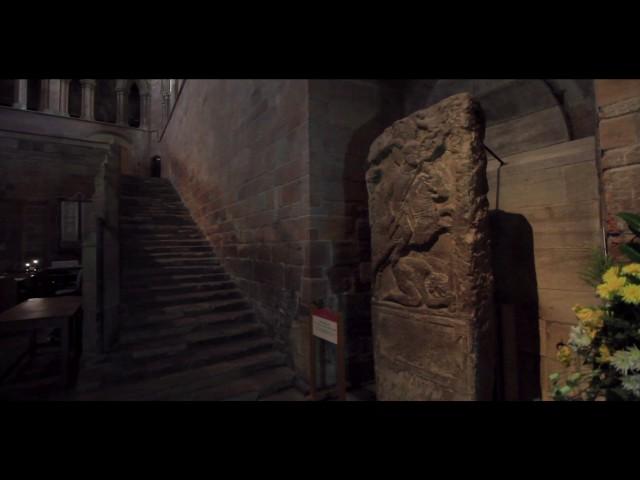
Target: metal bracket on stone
(493,154)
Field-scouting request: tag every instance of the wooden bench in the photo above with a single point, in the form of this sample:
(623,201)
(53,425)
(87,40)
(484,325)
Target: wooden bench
(49,313)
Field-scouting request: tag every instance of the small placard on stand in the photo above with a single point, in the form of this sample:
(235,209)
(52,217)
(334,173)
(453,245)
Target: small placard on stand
(328,326)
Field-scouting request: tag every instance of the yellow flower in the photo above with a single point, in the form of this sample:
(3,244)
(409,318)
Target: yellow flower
(611,274)
(564,355)
(631,269)
(605,354)
(631,294)
(590,317)
(612,284)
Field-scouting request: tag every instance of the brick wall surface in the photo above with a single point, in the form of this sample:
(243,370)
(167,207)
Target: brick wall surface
(618,104)
(237,152)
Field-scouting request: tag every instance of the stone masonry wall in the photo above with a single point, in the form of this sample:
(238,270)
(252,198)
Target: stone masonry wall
(237,152)
(618,103)
(345,117)
(35,172)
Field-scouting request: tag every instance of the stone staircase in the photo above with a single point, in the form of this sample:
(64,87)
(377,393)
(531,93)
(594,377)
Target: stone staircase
(187,332)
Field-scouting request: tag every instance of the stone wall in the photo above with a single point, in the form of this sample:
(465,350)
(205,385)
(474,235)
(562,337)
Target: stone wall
(135,141)
(238,153)
(345,116)
(618,104)
(35,172)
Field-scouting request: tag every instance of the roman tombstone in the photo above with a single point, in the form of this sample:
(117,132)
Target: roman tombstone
(432,294)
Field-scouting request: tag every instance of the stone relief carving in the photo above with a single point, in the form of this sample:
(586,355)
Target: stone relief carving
(427,187)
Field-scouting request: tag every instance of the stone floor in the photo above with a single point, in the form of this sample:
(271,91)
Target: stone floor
(37,379)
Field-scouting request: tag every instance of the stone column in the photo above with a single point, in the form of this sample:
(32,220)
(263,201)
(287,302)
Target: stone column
(121,108)
(145,105)
(20,94)
(44,95)
(88,98)
(432,281)
(64,97)
(50,95)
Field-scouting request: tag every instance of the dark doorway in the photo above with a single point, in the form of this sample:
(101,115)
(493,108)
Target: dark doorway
(33,94)
(75,98)
(516,299)
(6,92)
(105,101)
(134,106)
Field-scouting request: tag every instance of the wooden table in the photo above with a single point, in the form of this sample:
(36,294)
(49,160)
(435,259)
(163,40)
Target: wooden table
(54,312)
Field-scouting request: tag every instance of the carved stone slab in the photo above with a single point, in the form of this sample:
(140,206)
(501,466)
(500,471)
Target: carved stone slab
(432,293)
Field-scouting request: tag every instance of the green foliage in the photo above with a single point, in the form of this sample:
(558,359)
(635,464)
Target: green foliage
(595,268)
(631,251)
(632,220)
(606,340)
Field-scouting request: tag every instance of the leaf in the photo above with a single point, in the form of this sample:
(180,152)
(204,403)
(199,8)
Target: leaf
(554,377)
(632,220)
(632,251)
(574,377)
(595,267)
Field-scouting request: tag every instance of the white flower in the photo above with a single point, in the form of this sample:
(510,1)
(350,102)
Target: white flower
(579,338)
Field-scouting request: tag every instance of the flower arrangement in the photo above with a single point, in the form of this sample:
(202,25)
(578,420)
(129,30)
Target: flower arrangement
(603,349)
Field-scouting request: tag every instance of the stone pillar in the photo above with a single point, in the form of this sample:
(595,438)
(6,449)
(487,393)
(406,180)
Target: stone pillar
(166,107)
(432,303)
(145,105)
(64,97)
(44,95)
(121,107)
(88,98)
(20,94)
(50,95)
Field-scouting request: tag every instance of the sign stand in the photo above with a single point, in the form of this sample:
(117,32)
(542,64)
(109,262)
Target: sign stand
(328,326)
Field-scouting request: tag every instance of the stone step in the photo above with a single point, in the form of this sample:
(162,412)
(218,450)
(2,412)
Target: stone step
(151,202)
(147,196)
(291,394)
(184,326)
(159,228)
(189,381)
(166,242)
(144,282)
(176,288)
(170,254)
(163,314)
(150,236)
(123,368)
(248,388)
(159,221)
(170,271)
(152,325)
(148,304)
(135,211)
(201,336)
(162,251)
(133,261)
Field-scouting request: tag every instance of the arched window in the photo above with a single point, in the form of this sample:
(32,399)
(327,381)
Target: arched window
(33,94)
(6,92)
(75,98)
(134,106)
(105,101)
